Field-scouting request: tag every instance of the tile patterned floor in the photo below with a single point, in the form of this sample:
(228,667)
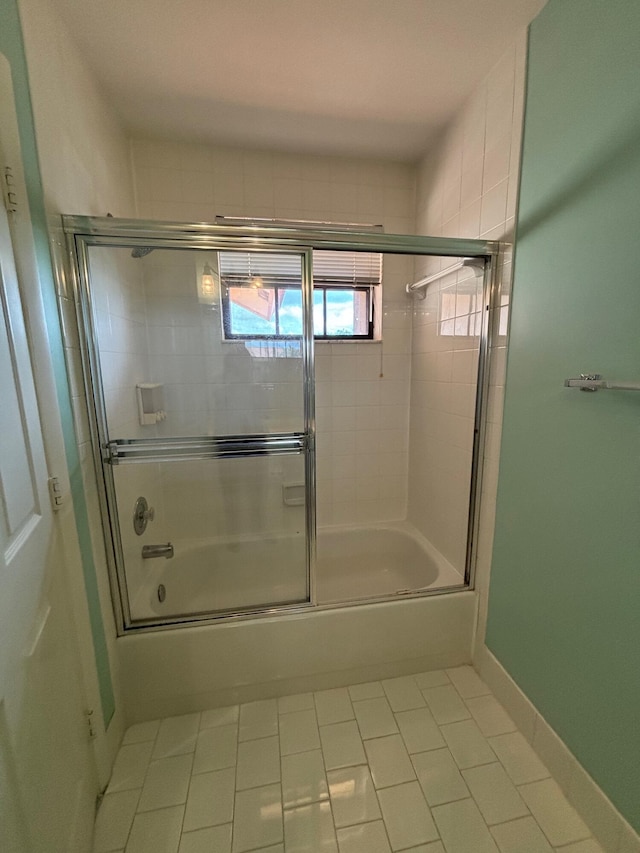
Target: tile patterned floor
(429,763)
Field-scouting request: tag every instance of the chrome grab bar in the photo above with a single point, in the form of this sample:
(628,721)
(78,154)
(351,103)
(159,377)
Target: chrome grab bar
(180,448)
(151,551)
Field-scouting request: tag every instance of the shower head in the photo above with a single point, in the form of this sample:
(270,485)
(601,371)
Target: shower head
(141,251)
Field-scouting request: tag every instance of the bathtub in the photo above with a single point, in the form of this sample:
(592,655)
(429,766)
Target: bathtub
(353,563)
(371,562)
(166,672)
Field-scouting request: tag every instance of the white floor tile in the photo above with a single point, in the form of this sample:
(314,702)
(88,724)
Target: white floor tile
(258,763)
(114,820)
(130,767)
(467,682)
(375,718)
(462,828)
(303,779)
(341,745)
(173,786)
(558,820)
(389,761)
(299,732)
(353,797)
(141,732)
(403,693)
(491,717)
(210,799)
(494,793)
(445,704)
(370,690)
(258,818)
(216,748)
(166,783)
(439,777)
(220,717)
(299,702)
(213,839)
(176,736)
(467,745)
(333,706)
(406,816)
(365,838)
(435,678)
(309,829)
(518,758)
(258,719)
(419,730)
(521,836)
(156,832)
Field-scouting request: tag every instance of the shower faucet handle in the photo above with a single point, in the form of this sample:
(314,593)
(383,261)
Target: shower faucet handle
(142,514)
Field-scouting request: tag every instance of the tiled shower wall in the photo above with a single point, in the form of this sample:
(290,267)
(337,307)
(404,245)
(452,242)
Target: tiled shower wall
(362,388)
(467,187)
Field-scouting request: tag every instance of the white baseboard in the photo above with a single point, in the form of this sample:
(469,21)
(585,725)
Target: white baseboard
(607,824)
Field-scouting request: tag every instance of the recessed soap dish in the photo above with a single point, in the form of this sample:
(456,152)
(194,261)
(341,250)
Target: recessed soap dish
(150,402)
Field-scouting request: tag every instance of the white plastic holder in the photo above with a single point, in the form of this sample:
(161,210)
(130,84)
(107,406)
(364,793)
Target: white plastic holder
(150,403)
(293,494)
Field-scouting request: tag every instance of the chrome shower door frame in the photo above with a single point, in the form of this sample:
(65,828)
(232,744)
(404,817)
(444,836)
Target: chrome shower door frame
(83,232)
(108,453)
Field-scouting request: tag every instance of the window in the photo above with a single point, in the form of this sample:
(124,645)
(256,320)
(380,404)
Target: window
(262,298)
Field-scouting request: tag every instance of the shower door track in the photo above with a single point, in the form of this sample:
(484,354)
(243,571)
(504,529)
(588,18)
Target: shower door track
(83,232)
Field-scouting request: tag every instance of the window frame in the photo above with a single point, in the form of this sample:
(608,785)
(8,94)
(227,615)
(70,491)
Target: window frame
(320,286)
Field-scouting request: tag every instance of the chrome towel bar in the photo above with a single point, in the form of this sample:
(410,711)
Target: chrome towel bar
(595,382)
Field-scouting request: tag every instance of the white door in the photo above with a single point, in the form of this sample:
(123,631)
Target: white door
(47,773)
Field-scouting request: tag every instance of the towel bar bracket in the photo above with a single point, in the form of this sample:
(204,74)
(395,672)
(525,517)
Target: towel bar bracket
(595,382)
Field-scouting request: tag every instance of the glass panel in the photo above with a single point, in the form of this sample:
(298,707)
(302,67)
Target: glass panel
(237,527)
(347,312)
(159,324)
(318,312)
(395,432)
(252,312)
(290,312)
(340,312)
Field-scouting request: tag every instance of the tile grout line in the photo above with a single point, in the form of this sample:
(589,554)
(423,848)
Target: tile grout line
(352,703)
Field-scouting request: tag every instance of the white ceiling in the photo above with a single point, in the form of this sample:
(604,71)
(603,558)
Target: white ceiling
(365,77)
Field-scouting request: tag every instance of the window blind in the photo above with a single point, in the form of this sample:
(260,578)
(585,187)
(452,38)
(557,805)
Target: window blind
(347,269)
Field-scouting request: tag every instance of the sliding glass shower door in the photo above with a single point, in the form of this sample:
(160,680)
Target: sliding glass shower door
(201,366)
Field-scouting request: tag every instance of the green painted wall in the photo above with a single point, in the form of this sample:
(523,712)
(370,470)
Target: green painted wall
(12,46)
(564,608)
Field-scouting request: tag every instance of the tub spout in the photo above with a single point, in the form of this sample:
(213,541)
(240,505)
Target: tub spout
(151,551)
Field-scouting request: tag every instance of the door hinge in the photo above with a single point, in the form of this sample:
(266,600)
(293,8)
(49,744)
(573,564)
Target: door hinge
(55,493)
(9,190)
(91,723)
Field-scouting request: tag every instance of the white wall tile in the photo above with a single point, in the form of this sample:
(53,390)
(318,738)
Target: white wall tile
(466,187)
(252,183)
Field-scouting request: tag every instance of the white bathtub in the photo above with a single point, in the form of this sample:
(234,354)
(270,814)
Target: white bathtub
(353,563)
(168,672)
(369,562)
(174,671)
